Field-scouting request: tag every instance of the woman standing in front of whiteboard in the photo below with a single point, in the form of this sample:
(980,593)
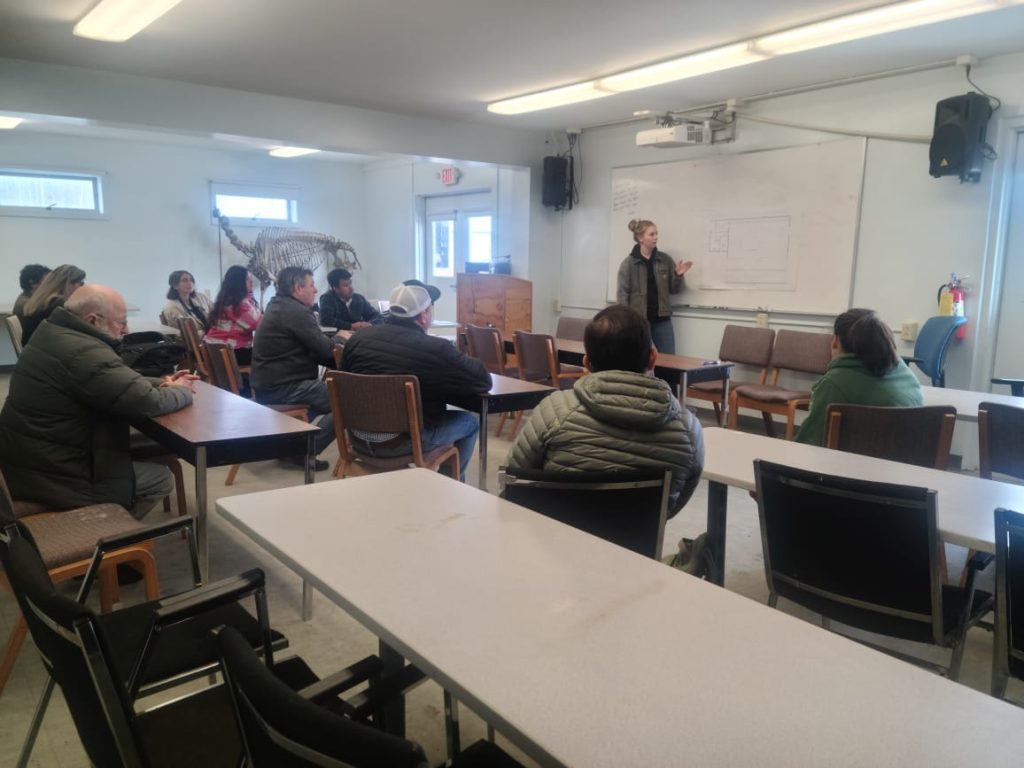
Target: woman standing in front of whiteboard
(646,278)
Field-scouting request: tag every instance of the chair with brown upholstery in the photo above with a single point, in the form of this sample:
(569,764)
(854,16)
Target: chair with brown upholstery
(381,404)
(571,328)
(743,345)
(793,351)
(196,359)
(537,354)
(14,329)
(920,436)
(66,541)
(226,374)
(487,345)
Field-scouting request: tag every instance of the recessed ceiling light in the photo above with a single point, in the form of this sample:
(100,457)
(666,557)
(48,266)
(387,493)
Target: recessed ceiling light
(6,123)
(114,21)
(292,151)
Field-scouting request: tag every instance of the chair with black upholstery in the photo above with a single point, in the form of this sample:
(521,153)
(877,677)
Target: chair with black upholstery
(1000,440)
(486,344)
(625,508)
(382,404)
(104,663)
(13,323)
(1008,650)
(932,345)
(286,728)
(537,354)
(571,328)
(813,530)
(920,436)
(793,351)
(743,345)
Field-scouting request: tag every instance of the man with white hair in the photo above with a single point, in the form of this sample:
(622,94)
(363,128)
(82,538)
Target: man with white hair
(65,426)
(401,345)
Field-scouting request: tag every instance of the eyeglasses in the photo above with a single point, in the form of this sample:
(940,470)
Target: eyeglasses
(118,323)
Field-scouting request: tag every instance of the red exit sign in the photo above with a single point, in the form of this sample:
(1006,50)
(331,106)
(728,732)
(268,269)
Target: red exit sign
(449,175)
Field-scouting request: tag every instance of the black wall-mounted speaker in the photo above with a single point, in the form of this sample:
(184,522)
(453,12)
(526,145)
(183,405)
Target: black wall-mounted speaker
(555,183)
(958,141)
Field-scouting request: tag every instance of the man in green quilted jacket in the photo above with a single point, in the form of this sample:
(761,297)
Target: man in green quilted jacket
(619,417)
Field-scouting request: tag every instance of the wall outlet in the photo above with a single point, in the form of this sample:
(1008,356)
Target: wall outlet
(908,332)
(762,320)
(556,305)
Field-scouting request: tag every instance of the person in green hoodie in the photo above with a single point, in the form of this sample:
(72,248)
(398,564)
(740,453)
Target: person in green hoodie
(865,370)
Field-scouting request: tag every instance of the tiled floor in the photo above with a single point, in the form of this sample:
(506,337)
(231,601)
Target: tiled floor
(332,639)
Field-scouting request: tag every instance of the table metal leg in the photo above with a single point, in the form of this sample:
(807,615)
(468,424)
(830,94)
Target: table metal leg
(451,725)
(307,588)
(718,497)
(310,459)
(482,480)
(202,538)
(682,388)
(725,399)
(393,713)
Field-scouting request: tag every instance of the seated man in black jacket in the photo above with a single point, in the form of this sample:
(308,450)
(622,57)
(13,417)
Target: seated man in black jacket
(401,345)
(288,349)
(343,308)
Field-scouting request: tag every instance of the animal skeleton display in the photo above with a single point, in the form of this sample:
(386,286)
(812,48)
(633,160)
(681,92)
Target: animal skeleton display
(276,248)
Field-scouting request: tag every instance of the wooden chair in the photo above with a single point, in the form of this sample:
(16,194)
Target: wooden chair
(66,540)
(537,354)
(571,328)
(1000,440)
(487,345)
(793,351)
(196,360)
(383,404)
(743,345)
(920,436)
(814,529)
(227,374)
(14,329)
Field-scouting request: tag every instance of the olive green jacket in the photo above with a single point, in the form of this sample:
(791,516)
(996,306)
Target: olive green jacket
(64,427)
(632,282)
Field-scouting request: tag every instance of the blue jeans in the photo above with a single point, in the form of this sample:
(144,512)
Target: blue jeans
(458,428)
(663,336)
(312,393)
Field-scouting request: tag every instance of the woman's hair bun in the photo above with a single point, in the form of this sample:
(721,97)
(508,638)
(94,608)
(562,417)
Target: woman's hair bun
(633,225)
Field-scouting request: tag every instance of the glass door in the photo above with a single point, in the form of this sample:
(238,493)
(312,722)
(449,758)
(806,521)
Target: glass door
(457,239)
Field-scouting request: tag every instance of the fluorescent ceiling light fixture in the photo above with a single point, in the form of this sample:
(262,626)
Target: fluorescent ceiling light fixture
(291,151)
(114,21)
(6,123)
(876,21)
(557,97)
(695,64)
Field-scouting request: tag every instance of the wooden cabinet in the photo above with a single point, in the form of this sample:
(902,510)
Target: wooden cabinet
(503,301)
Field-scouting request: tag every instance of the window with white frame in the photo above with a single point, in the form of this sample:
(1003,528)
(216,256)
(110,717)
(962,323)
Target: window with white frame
(25,192)
(256,204)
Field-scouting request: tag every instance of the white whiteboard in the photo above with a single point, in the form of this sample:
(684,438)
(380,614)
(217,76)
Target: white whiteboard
(774,230)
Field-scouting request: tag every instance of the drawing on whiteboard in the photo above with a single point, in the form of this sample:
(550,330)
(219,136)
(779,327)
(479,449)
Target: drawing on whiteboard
(625,195)
(749,253)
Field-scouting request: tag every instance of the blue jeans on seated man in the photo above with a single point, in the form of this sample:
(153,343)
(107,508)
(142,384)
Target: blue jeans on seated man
(312,393)
(458,428)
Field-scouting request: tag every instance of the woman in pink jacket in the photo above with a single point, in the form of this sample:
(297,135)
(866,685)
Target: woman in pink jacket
(234,316)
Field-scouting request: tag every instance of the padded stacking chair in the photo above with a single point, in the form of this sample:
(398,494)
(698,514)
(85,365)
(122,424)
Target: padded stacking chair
(196,354)
(1016,386)
(743,345)
(920,436)
(793,351)
(537,354)
(382,404)
(932,345)
(625,508)
(1008,649)
(1000,440)
(66,541)
(814,529)
(571,328)
(487,346)
(227,374)
(14,329)
(104,663)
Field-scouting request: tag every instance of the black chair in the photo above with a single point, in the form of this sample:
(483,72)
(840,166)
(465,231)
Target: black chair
(814,529)
(285,728)
(1000,440)
(104,663)
(625,508)
(1016,385)
(1008,650)
(932,344)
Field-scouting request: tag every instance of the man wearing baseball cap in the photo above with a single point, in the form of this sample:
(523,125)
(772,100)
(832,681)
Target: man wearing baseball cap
(401,345)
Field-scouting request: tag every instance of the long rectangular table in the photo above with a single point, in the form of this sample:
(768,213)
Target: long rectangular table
(220,429)
(583,653)
(506,394)
(965,401)
(965,503)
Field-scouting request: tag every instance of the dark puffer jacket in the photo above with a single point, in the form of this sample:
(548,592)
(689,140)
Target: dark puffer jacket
(288,346)
(64,427)
(399,346)
(614,420)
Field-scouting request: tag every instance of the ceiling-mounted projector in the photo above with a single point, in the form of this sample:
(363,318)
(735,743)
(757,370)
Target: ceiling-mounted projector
(676,135)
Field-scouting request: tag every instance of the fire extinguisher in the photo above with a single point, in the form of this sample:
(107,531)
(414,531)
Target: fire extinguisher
(951,301)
